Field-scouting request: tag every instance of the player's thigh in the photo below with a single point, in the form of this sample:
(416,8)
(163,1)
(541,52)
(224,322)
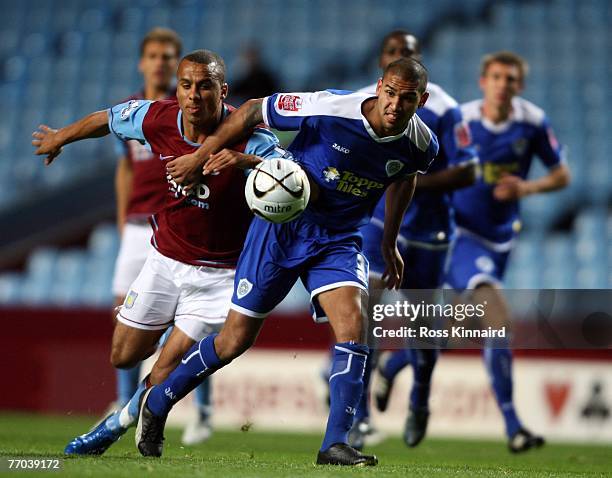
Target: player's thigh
(131,345)
(133,251)
(345,309)
(471,263)
(204,300)
(267,269)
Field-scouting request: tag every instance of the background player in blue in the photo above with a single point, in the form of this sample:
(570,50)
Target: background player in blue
(507,131)
(353,147)
(424,238)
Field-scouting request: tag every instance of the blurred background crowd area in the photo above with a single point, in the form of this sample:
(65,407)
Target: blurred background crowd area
(61,59)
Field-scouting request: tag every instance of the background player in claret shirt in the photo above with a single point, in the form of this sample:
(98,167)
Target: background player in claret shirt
(424,238)
(353,147)
(141,189)
(507,131)
(188,275)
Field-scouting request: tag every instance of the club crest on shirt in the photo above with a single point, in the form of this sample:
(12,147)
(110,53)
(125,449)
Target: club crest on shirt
(127,111)
(130,299)
(393,167)
(520,146)
(244,287)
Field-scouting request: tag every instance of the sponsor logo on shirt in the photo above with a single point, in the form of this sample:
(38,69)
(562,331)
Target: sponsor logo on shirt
(492,172)
(349,182)
(127,111)
(289,103)
(342,149)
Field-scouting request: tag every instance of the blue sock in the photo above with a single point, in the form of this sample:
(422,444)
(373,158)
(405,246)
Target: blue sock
(499,365)
(127,382)
(423,362)
(345,388)
(199,362)
(363,408)
(398,360)
(202,399)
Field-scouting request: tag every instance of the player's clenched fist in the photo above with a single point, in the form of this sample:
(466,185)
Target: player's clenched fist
(47,143)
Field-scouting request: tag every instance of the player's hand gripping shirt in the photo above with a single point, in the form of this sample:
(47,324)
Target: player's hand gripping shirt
(149,185)
(209,226)
(342,154)
(429,216)
(505,148)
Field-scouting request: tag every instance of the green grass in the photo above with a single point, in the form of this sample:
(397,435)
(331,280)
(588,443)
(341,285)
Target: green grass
(253,453)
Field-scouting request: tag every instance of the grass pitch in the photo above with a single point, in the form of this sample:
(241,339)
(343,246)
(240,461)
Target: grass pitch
(259,454)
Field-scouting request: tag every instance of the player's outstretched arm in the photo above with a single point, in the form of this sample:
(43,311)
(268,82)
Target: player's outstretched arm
(399,195)
(513,188)
(232,130)
(449,179)
(49,142)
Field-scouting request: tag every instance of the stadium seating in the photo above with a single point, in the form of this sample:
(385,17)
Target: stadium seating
(62,59)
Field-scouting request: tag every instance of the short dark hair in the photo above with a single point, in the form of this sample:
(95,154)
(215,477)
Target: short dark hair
(409,69)
(207,57)
(162,35)
(395,34)
(505,58)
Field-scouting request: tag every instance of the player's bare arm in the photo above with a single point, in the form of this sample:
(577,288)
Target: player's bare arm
(513,188)
(235,128)
(456,177)
(49,141)
(399,195)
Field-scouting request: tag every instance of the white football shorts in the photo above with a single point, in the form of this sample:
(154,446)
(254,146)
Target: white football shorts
(133,252)
(195,299)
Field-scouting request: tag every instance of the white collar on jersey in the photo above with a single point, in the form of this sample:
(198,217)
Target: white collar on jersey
(516,114)
(372,133)
(179,125)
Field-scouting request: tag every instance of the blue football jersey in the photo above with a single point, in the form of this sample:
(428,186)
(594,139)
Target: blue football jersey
(342,154)
(429,217)
(505,148)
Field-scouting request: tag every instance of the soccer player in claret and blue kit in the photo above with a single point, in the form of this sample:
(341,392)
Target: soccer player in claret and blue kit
(508,131)
(353,147)
(187,279)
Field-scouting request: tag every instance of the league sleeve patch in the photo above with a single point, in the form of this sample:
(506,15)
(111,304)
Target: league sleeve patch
(127,111)
(552,139)
(463,137)
(289,103)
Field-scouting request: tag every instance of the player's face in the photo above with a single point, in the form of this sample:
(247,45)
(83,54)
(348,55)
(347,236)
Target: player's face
(199,92)
(500,84)
(397,102)
(158,64)
(401,46)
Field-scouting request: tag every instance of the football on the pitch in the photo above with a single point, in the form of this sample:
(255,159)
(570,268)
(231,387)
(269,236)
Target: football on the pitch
(277,190)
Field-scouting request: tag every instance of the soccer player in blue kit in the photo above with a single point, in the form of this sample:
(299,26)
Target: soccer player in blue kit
(353,147)
(424,238)
(507,131)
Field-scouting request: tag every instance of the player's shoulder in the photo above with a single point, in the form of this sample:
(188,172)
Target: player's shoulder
(439,101)
(337,103)
(526,112)
(418,133)
(471,110)
(370,89)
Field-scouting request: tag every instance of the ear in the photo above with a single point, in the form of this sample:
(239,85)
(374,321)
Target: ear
(423,100)
(378,86)
(140,66)
(481,83)
(224,90)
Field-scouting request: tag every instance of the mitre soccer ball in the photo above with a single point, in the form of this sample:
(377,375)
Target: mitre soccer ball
(277,190)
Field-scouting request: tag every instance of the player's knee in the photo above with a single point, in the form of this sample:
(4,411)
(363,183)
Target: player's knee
(121,357)
(230,346)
